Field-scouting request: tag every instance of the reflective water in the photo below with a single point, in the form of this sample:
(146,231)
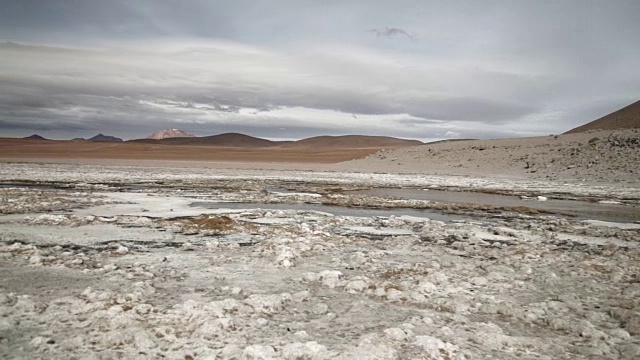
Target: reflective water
(335,210)
(579,209)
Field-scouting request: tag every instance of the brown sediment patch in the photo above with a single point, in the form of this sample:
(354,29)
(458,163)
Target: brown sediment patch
(207,225)
(217,223)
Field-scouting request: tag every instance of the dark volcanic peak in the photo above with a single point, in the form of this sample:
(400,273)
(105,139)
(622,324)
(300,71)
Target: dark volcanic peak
(78,139)
(353,142)
(101,137)
(36,137)
(626,118)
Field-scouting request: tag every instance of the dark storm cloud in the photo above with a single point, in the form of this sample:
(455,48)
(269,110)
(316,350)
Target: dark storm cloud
(491,67)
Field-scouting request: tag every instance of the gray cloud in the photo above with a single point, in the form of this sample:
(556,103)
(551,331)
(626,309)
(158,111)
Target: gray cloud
(302,67)
(391,32)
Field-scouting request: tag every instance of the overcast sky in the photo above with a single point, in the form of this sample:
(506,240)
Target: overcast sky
(287,69)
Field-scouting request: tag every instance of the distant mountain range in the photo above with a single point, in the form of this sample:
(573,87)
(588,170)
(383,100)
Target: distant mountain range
(246,141)
(626,118)
(100,138)
(237,140)
(226,140)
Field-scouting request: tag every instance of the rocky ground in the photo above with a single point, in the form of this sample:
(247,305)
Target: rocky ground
(605,156)
(108,262)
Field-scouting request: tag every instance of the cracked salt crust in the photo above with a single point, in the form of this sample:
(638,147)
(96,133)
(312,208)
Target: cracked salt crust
(133,278)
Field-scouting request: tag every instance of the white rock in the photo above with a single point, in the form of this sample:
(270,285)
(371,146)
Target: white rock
(489,335)
(331,278)
(309,276)
(426,287)
(268,304)
(121,250)
(435,348)
(110,267)
(320,309)
(309,350)
(395,295)
(479,281)
(35,260)
(395,334)
(438,278)
(371,347)
(231,351)
(417,297)
(143,340)
(236,290)
(300,296)
(258,352)
(620,334)
(143,309)
(357,285)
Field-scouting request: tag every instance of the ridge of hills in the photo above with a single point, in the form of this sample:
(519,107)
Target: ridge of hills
(626,118)
(225,140)
(98,138)
(242,140)
(352,141)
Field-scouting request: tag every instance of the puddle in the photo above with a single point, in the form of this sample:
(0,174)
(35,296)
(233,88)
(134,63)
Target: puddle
(336,210)
(579,209)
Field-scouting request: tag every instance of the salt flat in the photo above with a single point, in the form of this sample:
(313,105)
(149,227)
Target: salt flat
(120,262)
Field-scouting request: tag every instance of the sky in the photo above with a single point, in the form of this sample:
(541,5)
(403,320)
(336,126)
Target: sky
(290,69)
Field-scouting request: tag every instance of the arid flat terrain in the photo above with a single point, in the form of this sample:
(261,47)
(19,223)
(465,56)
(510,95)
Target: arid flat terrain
(46,149)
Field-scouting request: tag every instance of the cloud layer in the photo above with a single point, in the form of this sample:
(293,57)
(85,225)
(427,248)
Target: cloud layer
(291,71)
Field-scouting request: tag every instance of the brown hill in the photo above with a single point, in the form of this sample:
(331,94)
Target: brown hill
(103,138)
(223,140)
(36,137)
(352,142)
(626,118)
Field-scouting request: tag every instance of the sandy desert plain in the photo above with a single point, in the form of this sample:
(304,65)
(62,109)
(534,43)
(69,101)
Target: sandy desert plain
(493,249)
